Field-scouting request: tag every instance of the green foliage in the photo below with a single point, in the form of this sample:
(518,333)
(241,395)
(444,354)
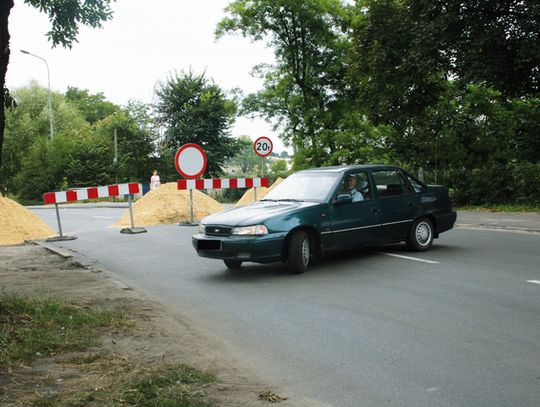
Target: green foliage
(30,326)
(246,158)
(499,184)
(93,107)
(193,109)
(90,163)
(278,168)
(394,62)
(135,142)
(29,122)
(43,168)
(66,16)
(83,151)
(170,387)
(305,93)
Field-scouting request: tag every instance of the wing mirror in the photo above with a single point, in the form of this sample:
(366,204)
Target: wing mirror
(343,199)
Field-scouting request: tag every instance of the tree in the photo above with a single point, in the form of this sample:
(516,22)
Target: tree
(485,41)
(405,51)
(65,17)
(305,93)
(193,109)
(457,82)
(135,137)
(30,121)
(245,157)
(93,107)
(278,168)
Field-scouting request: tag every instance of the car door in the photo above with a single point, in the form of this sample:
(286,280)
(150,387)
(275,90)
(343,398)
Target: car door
(354,223)
(398,203)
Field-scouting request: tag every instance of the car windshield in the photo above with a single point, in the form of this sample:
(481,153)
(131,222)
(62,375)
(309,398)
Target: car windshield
(304,186)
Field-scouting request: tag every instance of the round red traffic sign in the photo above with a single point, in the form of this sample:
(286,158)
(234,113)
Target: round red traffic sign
(190,161)
(263,146)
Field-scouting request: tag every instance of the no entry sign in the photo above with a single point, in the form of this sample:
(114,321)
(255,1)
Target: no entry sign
(263,146)
(190,161)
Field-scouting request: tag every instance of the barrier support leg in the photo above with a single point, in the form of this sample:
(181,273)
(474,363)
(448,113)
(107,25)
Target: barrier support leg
(191,222)
(132,230)
(61,237)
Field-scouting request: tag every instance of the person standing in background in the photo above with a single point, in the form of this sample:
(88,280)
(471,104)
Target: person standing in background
(155,182)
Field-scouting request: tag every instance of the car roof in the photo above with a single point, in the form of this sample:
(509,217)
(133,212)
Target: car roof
(346,168)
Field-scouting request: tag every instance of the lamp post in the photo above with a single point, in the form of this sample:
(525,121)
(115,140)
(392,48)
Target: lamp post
(49,85)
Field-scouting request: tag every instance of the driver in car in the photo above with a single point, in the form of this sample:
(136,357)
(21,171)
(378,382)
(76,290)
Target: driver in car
(352,184)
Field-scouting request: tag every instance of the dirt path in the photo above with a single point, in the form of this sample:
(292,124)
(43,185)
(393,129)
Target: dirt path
(159,334)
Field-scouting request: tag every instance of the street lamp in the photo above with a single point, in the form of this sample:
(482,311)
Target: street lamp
(49,84)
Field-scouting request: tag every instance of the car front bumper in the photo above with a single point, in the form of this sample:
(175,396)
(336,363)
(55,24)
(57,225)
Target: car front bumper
(258,249)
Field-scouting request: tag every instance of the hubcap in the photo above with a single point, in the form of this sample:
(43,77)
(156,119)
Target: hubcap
(305,252)
(423,233)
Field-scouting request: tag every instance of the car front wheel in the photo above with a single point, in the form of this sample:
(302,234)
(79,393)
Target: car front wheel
(233,264)
(421,235)
(299,252)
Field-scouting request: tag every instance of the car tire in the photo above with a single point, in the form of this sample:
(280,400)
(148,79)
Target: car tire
(420,235)
(233,264)
(299,252)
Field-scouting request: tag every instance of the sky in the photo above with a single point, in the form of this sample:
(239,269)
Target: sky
(144,43)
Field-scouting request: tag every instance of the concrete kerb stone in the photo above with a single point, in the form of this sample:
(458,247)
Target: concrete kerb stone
(83,262)
(499,221)
(84,205)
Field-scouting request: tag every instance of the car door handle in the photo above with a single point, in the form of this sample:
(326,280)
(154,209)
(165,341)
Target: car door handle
(411,203)
(375,210)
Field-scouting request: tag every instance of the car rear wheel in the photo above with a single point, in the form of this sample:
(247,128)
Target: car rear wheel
(233,264)
(421,235)
(299,252)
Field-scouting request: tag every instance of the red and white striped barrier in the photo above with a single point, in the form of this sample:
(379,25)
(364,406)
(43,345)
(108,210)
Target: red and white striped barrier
(222,183)
(90,193)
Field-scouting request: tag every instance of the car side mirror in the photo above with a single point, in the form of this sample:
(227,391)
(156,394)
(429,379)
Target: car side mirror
(343,199)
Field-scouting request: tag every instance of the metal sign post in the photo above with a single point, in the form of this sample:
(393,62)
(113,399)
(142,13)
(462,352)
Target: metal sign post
(191,205)
(132,230)
(61,237)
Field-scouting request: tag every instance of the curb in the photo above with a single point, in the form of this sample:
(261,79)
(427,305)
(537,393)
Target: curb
(91,267)
(66,254)
(497,228)
(80,206)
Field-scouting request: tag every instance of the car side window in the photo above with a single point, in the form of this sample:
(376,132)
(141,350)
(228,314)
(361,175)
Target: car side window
(356,184)
(417,185)
(391,183)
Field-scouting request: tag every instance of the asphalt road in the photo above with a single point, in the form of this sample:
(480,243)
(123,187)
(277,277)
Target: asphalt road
(458,325)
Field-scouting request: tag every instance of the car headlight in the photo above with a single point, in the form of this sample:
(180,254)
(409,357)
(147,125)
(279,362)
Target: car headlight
(250,230)
(201,229)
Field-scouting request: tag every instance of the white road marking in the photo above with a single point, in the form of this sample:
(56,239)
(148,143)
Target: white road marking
(410,258)
(534,281)
(103,217)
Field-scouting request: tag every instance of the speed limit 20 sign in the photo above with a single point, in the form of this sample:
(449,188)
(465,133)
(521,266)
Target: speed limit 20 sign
(263,146)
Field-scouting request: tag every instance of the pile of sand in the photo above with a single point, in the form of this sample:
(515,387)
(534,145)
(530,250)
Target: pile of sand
(169,205)
(18,224)
(249,196)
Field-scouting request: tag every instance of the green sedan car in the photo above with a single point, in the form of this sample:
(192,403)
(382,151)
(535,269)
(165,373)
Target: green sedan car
(323,209)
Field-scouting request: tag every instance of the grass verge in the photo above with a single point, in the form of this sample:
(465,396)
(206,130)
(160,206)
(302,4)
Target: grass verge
(31,327)
(48,358)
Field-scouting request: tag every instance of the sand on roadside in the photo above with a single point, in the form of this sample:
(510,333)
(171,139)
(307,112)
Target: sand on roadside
(18,224)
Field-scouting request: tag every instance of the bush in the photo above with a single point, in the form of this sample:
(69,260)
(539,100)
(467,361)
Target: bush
(497,183)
